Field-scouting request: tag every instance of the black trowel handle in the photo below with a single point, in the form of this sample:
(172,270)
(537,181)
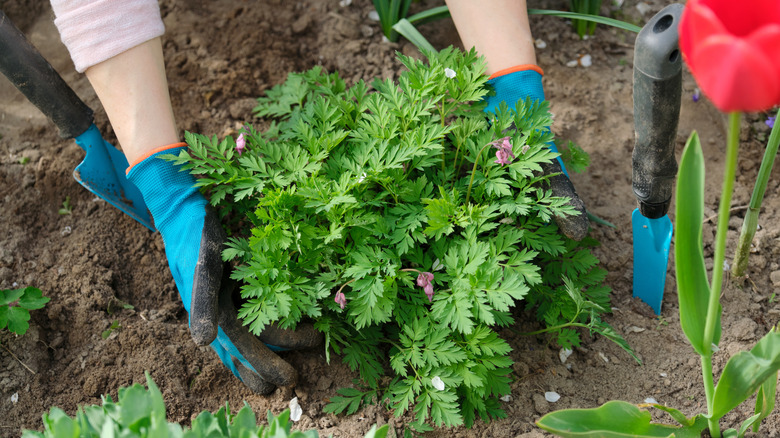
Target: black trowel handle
(657,93)
(40,83)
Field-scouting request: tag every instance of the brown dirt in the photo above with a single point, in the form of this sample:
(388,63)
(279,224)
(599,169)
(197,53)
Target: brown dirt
(220,55)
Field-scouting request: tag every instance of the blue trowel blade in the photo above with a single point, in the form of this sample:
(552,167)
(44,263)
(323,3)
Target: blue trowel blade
(103,173)
(652,238)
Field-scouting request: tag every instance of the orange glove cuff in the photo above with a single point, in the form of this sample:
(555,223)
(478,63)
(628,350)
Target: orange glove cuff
(521,67)
(154,151)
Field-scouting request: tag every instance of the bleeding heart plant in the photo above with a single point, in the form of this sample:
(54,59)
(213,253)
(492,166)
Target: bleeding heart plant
(733,51)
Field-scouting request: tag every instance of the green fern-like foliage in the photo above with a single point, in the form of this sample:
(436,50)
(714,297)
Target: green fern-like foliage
(360,190)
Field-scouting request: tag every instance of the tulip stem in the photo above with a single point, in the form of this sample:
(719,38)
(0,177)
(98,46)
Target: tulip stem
(750,223)
(713,305)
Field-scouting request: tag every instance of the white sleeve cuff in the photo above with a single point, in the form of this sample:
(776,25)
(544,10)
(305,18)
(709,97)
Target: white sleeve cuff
(96,30)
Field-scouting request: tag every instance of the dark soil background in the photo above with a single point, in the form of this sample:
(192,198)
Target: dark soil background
(220,56)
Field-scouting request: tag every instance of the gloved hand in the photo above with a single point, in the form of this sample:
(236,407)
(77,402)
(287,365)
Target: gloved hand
(520,82)
(193,239)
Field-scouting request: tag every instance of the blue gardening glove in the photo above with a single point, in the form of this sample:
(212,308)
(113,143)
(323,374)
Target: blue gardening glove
(193,239)
(518,83)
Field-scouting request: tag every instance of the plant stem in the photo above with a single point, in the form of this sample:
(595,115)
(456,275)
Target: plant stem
(474,171)
(750,223)
(713,306)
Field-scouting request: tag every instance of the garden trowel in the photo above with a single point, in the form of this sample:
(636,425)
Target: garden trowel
(657,93)
(103,168)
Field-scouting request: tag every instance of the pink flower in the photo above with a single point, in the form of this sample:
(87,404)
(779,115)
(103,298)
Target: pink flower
(503,157)
(240,143)
(340,299)
(424,281)
(504,151)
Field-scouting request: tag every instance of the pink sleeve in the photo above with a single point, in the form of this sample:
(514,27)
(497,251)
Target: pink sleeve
(95,30)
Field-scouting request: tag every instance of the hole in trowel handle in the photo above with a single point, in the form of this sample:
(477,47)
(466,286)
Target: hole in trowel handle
(674,55)
(663,23)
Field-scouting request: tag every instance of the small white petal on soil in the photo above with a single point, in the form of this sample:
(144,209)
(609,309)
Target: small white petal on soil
(651,400)
(450,73)
(726,266)
(65,231)
(507,398)
(295,409)
(540,43)
(373,15)
(604,356)
(664,375)
(634,329)
(572,63)
(715,348)
(344,3)
(564,354)
(437,383)
(15,398)
(552,396)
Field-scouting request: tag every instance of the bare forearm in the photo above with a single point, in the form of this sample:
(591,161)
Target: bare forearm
(498,29)
(134,92)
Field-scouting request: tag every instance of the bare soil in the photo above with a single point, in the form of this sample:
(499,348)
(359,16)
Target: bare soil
(221,55)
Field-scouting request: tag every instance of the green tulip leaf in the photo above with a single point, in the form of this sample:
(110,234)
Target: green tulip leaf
(614,419)
(693,289)
(765,401)
(745,372)
(677,415)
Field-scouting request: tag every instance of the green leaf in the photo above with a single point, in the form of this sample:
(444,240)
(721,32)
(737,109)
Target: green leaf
(745,372)
(16,318)
(614,419)
(33,299)
(9,296)
(408,31)
(765,400)
(693,289)
(588,17)
(377,433)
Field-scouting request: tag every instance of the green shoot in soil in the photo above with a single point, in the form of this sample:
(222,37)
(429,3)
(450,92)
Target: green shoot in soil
(66,207)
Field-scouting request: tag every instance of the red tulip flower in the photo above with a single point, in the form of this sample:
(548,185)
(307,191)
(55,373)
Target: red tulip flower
(733,50)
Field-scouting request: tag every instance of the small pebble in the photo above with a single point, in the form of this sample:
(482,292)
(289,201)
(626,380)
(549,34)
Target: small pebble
(552,396)
(15,398)
(373,15)
(507,398)
(775,277)
(564,354)
(540,43)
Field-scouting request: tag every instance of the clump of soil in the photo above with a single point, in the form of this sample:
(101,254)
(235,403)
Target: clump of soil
(220,56)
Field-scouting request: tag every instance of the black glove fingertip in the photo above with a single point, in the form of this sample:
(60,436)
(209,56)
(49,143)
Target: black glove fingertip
(207,280)
(253,380)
